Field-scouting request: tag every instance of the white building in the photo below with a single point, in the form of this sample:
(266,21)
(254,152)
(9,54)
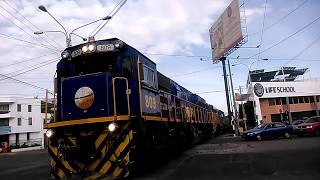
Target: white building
(21,122)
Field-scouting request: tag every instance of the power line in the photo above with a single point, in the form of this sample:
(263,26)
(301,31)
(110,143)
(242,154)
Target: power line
(23,72)
(177,55)
(198,71)
(262,29)
(25,41)
(302,51)
(22,29)
(286,38)
(38,64)
(8,4)
(25,60)
(112,13)
(239,58)
(214,91)
(24,83)
(282,18)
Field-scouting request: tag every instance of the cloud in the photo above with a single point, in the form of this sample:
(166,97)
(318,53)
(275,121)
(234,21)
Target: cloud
(156,26)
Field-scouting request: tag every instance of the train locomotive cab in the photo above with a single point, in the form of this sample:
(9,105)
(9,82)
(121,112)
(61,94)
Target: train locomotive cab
(96,87)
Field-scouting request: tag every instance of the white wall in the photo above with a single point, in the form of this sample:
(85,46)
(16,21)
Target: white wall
(35,130)
(35,114)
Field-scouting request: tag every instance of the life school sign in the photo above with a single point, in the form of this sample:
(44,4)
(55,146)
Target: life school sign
(260,90)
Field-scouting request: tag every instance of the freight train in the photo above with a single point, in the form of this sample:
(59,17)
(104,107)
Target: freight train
(112,105)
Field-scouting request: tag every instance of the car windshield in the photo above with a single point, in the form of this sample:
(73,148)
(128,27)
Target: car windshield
(312,120)
(261,126)
(297,122)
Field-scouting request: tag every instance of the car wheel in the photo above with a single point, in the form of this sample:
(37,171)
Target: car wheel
(287,135)
(259,138)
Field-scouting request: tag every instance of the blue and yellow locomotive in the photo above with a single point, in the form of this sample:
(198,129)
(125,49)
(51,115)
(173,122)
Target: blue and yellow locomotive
(112,105)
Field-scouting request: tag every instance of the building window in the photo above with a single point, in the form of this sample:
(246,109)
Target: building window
(301,99)
(306,99)
(28,136)
(283,101)
(149,76)
(278,101)
(290,100)
(18,107)
(295,100)
(311,99)
(4,122)
(30,121)
(19,121)
(271,102)
(29,108)
(4,109)
(318,98)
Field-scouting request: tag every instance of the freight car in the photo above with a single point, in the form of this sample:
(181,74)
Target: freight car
(112,105)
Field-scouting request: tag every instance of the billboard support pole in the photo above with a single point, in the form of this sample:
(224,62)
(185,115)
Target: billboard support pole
(235,114)
(223,60)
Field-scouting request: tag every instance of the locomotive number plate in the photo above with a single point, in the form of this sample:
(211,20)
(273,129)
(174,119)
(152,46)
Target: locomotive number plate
(105,47)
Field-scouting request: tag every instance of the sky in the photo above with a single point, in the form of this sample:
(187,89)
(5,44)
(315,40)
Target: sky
(287,33)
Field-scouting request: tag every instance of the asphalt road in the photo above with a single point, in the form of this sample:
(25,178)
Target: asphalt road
(219,158)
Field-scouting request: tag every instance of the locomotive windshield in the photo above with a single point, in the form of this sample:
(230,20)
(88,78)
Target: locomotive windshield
(91,63)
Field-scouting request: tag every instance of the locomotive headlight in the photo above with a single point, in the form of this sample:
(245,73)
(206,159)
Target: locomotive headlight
(49,133)
(84,49)
(65,54)
(91,47)
(112,126)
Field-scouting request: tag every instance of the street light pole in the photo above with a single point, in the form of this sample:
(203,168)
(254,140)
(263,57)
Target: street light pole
(68,41)
(67,36)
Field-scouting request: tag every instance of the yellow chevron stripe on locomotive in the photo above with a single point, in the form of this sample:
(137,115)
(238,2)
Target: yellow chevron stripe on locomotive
(101,153)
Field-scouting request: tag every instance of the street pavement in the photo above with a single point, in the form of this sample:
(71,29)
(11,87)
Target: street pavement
(223,157)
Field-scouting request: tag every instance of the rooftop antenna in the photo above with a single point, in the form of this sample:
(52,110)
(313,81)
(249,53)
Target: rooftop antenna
(111,14)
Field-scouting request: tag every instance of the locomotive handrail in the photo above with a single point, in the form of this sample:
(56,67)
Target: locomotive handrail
(114,94)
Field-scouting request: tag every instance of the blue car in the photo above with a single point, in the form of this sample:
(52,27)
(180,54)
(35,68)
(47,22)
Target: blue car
(269,131)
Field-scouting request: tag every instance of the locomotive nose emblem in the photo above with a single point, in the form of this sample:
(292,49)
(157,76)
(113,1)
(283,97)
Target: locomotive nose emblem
(84,97)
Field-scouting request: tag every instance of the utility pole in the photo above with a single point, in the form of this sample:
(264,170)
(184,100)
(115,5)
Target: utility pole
(234,101)
(223,60)
(244,116)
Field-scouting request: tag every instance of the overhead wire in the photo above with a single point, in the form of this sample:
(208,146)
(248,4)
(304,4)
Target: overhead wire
(283,18)
(262,29)
(25,60)
(113,11)
(25,41)
(23,30)
(302,51)
(286,38)
(194,72)
(19,72)
(36,27)
(25,83)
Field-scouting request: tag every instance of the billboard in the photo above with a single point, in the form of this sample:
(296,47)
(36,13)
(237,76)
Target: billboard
(226,32)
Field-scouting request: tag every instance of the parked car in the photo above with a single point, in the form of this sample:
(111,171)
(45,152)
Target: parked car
(311,126)
(296,123)
(268,131)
